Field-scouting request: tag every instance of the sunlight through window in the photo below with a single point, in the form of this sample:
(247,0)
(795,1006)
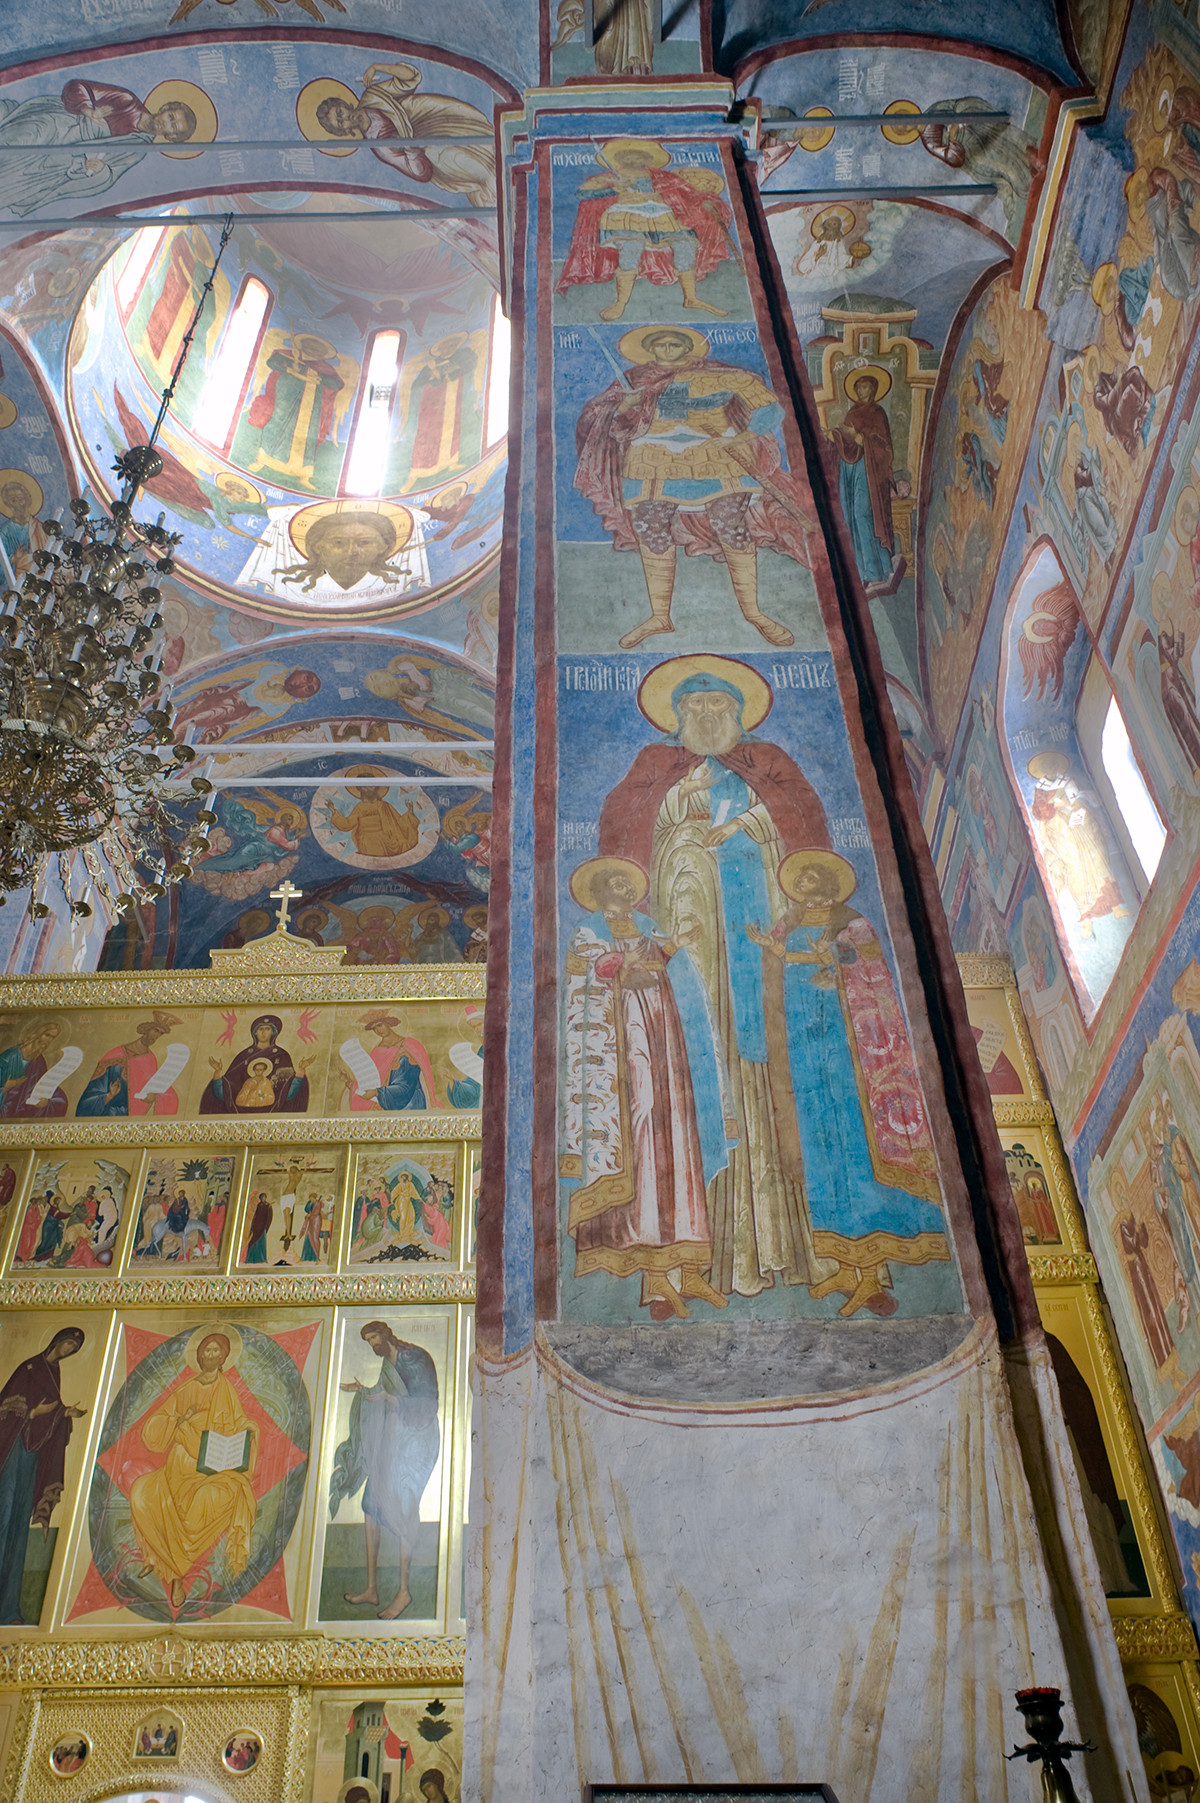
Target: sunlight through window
(495,412)
(226,378)
(146,246)
(372,429)
(1133,797)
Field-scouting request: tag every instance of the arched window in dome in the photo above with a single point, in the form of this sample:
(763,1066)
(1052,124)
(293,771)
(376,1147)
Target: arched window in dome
(495,406)
(229,375)
(1096,831)
(142,249)
(375,406)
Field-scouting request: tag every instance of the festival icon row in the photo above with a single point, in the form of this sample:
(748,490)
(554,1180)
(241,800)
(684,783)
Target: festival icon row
(257,1466)
(119,1064)
(199,1209)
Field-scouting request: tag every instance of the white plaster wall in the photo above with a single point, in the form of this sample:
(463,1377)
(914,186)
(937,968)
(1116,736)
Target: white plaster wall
(847,1592)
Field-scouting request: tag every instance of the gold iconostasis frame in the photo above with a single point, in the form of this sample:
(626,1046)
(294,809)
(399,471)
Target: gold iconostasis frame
(1154,1633)
(57,1678)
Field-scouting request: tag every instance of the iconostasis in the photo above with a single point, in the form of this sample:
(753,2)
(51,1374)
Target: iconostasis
(234,1397)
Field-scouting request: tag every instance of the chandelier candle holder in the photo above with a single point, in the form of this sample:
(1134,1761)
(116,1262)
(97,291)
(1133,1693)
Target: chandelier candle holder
(87,743)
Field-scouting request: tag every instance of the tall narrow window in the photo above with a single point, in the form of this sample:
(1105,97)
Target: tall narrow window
(146,246)
(495,406)
(1138,811)
(230,371)
(372,427)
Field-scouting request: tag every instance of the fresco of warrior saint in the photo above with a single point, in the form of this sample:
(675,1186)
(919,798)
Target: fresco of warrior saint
(681,451)
(645,218)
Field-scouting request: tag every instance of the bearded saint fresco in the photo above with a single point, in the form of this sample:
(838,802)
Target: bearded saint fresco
(742,1108)
(681,451)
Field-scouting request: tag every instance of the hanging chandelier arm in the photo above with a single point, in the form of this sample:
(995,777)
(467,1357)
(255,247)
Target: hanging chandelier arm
(140,474)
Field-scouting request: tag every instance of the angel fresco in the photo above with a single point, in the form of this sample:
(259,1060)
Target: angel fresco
(646,218)
(257,838)
(991,152)
(716,485)
(390,107)
(263,1078)
(91,115)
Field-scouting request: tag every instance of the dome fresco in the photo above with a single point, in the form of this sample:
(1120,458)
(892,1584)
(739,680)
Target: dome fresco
(336,440)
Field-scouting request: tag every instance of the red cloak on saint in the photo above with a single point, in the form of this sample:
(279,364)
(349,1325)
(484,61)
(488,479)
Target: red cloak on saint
(777,518)
(628,816)
(705,214)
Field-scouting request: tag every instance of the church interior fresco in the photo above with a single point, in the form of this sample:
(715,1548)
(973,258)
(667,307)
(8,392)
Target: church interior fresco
(998,326)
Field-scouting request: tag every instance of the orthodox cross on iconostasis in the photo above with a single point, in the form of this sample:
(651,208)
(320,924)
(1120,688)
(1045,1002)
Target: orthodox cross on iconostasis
(285,895)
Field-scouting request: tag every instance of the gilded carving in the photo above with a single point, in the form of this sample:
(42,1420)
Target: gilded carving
(253,1130)
(172,1661)
(1070,1267)
(324,1289)
(205,989)
(1141,1637)
(1023,1114)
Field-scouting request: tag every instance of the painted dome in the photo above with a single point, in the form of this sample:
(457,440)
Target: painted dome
(336,443)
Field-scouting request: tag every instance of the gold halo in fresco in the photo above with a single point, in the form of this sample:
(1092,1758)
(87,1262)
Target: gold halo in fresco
(20,479)
(1163,102)
(235,486)
(877,373)
(819,136)
(584,878)
(8,411)
(901,134)
(1187,515)
(324,348)
(225,1332)
(1048,767)
(839,868)
(654,696)
(844,215)
(1104,287)
(649,154)
(398,518)
(633,346)
(187,94)
(325,87)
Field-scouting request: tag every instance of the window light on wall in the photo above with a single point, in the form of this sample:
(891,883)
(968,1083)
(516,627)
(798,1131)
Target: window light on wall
(372,428)
(1138,811)
(227,374)
(495,406)
(144,249)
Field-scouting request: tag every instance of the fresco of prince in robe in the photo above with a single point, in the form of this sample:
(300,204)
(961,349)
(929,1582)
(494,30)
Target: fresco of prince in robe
(714,859)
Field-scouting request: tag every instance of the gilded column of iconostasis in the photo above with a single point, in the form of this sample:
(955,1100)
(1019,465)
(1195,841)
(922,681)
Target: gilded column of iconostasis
(239,1203)
(727,1255)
